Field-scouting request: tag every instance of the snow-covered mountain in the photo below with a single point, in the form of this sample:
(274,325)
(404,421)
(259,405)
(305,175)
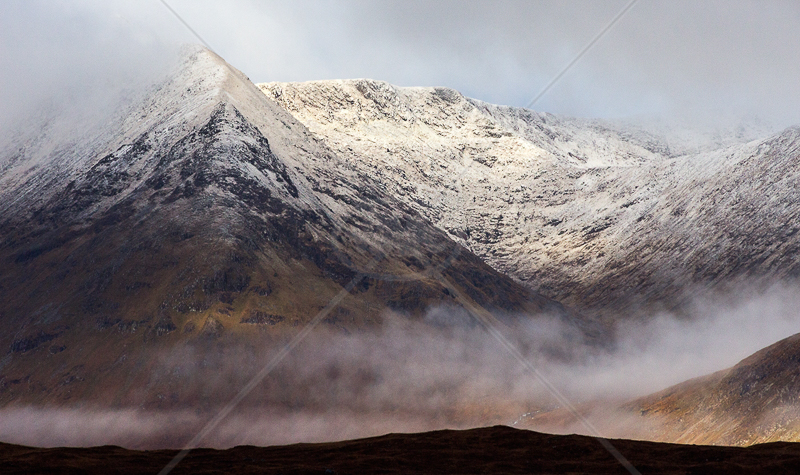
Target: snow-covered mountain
(599,215)
(203,212)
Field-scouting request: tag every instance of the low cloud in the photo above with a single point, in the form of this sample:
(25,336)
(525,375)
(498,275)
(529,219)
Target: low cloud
(710,61)
(79,60)
(410,376)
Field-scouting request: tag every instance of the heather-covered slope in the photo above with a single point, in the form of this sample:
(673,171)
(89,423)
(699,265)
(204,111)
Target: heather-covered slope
(754,402)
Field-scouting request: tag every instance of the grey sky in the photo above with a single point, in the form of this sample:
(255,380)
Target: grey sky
(665,57)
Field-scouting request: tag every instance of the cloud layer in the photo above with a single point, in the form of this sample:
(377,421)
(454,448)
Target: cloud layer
(709,60)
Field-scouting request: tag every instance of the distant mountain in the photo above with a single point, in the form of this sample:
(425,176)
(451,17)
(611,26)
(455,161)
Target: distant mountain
(609,218)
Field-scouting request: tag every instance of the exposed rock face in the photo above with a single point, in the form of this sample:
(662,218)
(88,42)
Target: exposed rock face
(603,217)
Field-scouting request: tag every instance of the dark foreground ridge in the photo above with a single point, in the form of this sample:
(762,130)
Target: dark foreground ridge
(491,450)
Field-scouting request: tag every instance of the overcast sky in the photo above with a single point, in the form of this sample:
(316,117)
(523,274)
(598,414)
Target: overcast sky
(664,58)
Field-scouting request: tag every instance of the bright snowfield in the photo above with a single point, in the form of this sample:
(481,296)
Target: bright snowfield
(620,224)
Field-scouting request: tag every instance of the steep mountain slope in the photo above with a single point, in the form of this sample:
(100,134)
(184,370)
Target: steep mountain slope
(605,218)
(754,402)
(202,214)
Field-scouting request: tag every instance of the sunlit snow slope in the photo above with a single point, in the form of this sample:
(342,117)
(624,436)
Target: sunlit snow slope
(608,218)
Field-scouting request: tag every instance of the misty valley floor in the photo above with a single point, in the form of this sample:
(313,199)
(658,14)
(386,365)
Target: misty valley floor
(493,450)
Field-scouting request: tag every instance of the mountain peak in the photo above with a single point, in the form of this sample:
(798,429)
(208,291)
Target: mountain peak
(205,216)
